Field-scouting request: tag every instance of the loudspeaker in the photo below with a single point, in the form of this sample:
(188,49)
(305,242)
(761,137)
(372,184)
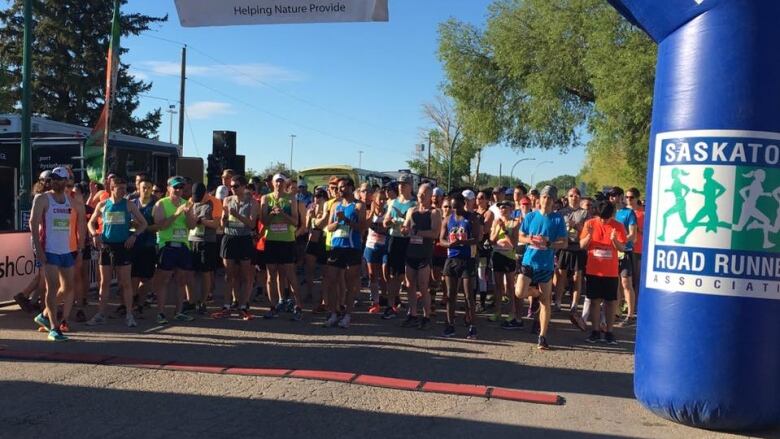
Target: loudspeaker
(191,167)
(238,164)
(224,143)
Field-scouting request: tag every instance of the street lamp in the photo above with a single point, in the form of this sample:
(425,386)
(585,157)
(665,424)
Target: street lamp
(512,172)
(537,167)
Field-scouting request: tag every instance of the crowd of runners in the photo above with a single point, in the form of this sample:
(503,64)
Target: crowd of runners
(511,254)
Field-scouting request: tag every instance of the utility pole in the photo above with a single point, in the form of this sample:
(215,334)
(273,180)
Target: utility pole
(360,159)
(183,83)
(500,170)
(25,154)
(171,111)
(428,170)
(292,145)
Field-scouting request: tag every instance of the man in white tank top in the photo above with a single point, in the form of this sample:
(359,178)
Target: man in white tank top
(51,225)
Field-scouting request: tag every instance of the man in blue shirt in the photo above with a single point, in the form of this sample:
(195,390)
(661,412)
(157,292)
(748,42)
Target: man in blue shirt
(626,216)
(543,231)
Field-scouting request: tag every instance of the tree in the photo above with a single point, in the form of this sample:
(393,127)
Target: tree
(446,136)
(70,44)
(562,182)
(555,74)
(273,168)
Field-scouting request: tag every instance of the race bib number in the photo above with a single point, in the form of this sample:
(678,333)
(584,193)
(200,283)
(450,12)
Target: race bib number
(342,232)
(601,253)
(279,228)
(114,218)
(61,224)
(198,231)
(234,223)
(179,234)
(416,240)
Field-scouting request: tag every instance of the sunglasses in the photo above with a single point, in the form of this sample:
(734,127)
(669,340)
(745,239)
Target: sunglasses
(629,197)
(178,187)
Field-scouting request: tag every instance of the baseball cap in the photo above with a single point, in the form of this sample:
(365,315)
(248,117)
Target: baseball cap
(175,181)
(549,190)
(404,179)
(509,192)
(525,201)
(222,192)
(469,194)
(228,173)
(505,203)
(615,192)
(278,177)
(44,175)
(302,183)
(60,172)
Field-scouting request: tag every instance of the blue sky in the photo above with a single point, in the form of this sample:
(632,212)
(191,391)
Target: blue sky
(340,88)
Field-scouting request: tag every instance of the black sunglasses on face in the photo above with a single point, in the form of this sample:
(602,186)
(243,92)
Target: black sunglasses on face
(178,187)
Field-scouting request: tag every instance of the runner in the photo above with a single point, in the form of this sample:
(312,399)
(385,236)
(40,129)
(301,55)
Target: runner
(571,260)
(83,261)
(239,218)
(315,248)
(422,225)
(115,243)
(396,249)
(442,204)
(203,244)
(627,217)
(484,249)
(503,235)
(632,200)
(603,237)
(375,253)
(144,254)
(51,224)
(280,214)
(347,220)
(460,231)
(543,231)
(173,218)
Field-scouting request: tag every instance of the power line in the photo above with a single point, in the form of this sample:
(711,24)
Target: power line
(277,89)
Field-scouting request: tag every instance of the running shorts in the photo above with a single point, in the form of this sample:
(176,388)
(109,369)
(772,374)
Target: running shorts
(460,268)
(280,252)
(237,248)
(536,275)
(204,256)
(144,259)
(174,256)
(115,255)
(604,288)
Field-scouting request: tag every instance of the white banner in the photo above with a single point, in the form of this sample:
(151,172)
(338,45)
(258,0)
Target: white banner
(17,265)
(240,12)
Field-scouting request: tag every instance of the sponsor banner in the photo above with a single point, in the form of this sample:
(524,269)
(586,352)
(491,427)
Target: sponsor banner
(243,12)
(716,213)
(17,264)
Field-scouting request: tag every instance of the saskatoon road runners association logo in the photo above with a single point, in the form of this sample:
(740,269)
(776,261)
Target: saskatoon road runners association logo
(716,214)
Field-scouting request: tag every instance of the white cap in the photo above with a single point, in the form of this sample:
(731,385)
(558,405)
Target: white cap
(44,175)
(469,194)
(279,177)
(222,192)
(61,172)
(438,192)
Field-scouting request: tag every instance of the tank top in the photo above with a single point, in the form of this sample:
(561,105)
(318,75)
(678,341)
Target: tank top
(508,252)
(376,240)
(345,236)
(398,214)
(278,229)
(419,247)
(116,222)
(459,229)
(234,226)
(57,227)
(146,239)
(176,232)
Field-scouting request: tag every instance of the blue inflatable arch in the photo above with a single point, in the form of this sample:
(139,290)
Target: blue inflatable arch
(708,336)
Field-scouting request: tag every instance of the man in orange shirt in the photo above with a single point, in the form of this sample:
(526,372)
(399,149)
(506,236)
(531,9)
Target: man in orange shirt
(603,237)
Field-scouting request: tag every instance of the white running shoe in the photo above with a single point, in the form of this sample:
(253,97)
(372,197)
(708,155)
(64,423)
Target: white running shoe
(97,319)
(344,322)
(131,323)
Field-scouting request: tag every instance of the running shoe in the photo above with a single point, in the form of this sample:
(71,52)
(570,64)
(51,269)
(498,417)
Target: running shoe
(151,299)
(224,313)
(56,335)
(504,299)
(609,338)
(161,319)
(289,306)
(627,322)
(345,321)
(23,302)
(511,325)
(409,321)
(201,309)
(80,316)
(480,308)
(280,307)
(542,344)
(271,314)
(97,319)
(246,315)
(449,331)
(130,320)
(424,323)
(297,314)
(42,321)
(375,309)
(188,308)
(64,327)
(390,313)
(183,317)
(576,320)
(333,319)
(472,333)
(594,337)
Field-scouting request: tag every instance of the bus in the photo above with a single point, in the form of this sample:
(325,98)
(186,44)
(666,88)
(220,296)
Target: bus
(319,176)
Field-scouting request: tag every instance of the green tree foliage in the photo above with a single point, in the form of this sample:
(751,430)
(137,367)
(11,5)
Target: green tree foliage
(271,169)
(555,74)
(562,182)
(70,44)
